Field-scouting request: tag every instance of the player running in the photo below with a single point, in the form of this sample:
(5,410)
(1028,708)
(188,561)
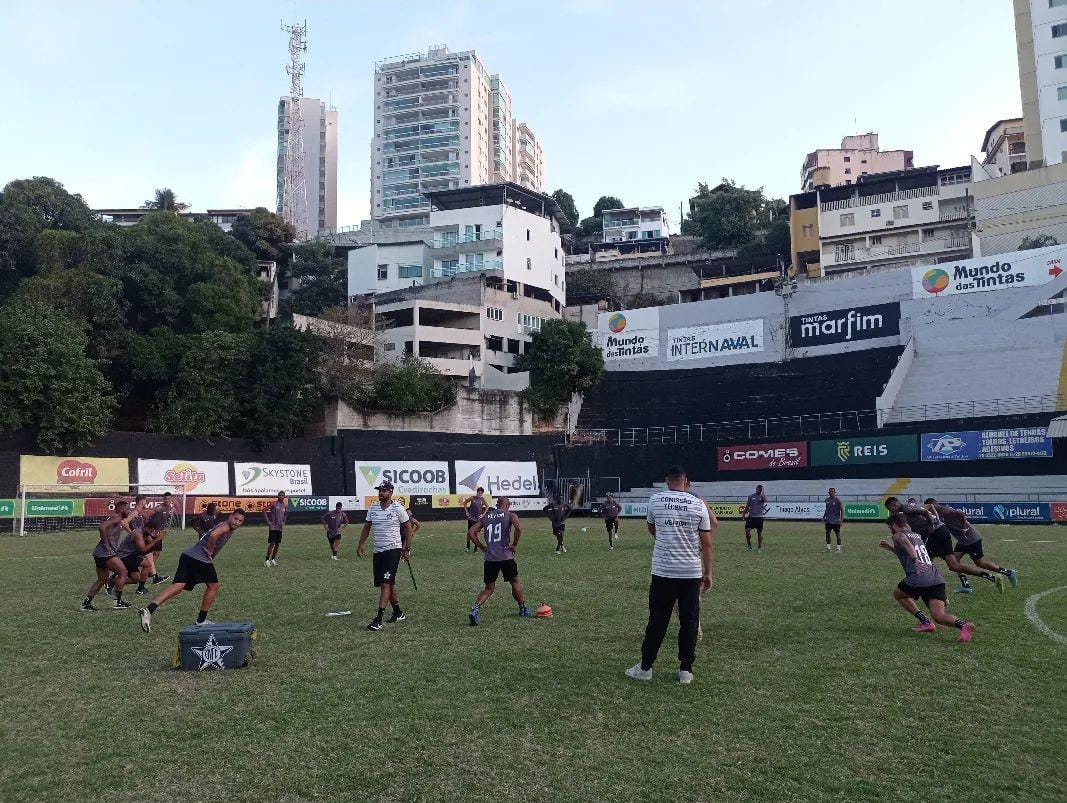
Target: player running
(558,511)
(106,558)
(275,517)
(475,507)
(921,579)
(754,511)
(334,524)
(197,565)
(968,542)
(160,520)
(388,520)
(135,553)
(610,510)
(832,517)
(502,533)
(206,520)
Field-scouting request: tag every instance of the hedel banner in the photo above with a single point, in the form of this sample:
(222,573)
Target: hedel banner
(847,451)
(75,472)
(197,476)
(985,274)
(844,325)
(793,454)
(423,477)
(255,479)
(715,340)
(498,478)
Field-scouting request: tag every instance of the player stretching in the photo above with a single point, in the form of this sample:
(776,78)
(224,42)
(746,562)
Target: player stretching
(275,517)
(921,579)
(832,517)
(502,533)
(206,520)
(474,506)
(557,511)
(968,542)
(197,565)
(610,510)
(754,511)
(106,559)
(388,520)
(334,523)
(135,553)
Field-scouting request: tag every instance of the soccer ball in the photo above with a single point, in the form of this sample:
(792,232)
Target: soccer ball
(585,529)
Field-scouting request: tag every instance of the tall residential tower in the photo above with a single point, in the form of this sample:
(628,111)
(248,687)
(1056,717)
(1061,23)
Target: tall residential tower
(320,161)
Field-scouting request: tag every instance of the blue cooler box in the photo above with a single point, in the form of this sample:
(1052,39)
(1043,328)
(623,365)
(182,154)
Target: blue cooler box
(223,645)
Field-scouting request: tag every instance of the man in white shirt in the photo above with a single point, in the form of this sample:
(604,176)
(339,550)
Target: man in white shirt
(391,525)
(682,527)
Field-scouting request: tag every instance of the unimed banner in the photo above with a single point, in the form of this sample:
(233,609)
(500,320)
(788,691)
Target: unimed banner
(422,477)
(498,478)
(255,479)
(197,476)
(865,511)
(75,472)
(844,451)
(987,444)
(844,325)
(988,274)
(793,454)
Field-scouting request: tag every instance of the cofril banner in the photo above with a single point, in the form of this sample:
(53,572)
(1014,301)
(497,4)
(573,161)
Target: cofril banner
(988,274)
(498,478)
(715,340)
(262,479)
(195,476)
(75,472)
(423,477)
(629,334)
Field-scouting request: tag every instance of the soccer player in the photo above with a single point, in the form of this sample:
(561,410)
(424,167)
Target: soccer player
(921,578)
(106,559)
(557,511)
(610,510)
(275,518)
(206,520)
(682,527)
(161,519)
(754,512)
(334,523)
(197,565)
(135,551)
(474,506)
(938,539)
(391,525)
(832,517)
(502,533)
(968,542)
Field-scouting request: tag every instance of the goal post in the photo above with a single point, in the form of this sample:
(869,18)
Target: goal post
(56,508)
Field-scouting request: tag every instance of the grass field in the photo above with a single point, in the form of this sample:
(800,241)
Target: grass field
(810,684)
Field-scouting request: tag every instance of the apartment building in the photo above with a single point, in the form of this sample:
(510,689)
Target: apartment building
(528,157)
(319,140)
(859,155)
(907,217)
(634,223)
(1041,43)
(1004,148)
(441,122)
(223,218)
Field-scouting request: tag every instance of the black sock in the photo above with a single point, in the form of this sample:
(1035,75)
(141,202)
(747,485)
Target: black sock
(396,608)
(152,607)
(140,586)
(989,577)
(157,577)
(88,601)
(1002,570)
(959,623)
(381,613)
(200,617)
(118,596)
(922,617)
(964,582)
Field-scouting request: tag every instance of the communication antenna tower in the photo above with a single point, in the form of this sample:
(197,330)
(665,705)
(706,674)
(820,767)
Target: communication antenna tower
(294,187)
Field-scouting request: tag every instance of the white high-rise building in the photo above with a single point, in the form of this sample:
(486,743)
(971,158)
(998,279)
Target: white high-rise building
(320,160)
(528,157)
(441,122)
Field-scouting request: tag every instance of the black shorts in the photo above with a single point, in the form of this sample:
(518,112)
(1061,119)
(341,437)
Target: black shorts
(274,536)
(754,523)
(495,567)
(939,542)
(331,537)
(832,527)
(927,593)
(558,529)
(193,572)
(385,567)
(132,563)
(974,550)
(101,563)
(612,524)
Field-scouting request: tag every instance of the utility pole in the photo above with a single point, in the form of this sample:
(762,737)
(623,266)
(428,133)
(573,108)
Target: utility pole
(294,188)
(785,286)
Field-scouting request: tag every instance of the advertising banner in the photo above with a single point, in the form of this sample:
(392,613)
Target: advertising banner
(455,501)
(403,499)
(763,455)
(847,451)
(252,505)
(80,472)
(348,503)
(1058,510)
(775,510)
(726,510)
(629,334)
(197,476)
(986,274)
(988,444)
(844,325)
(715,340)
(98,507)
(633,509)
(510,479)
(424,477)
(1004,512)
(865,511)
(255,479)
(528,503)
(307,504)
(7,508)
(45,508)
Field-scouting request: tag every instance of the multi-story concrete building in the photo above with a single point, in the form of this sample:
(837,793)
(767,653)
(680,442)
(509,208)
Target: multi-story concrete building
(528,157)
(1041,40)
(1004,148)
(319,139)
(858,156)
(441,122)
(634,223)
(909,217)
(223,218)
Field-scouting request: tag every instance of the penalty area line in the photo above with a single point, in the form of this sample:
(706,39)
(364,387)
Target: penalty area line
(1030,610)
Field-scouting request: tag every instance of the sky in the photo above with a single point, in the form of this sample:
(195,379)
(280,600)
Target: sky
(638,100)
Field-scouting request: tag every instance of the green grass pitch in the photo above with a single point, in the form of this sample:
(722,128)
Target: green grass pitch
(810,684)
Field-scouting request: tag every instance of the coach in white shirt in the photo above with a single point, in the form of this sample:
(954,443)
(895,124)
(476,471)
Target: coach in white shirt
(682,527)
(391,525)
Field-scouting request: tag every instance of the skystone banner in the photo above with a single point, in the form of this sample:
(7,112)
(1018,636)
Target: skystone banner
(255,479)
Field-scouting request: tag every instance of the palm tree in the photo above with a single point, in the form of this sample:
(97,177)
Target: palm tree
(165,200)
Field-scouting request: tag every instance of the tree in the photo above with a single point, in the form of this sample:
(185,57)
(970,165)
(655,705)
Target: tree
(1037,241)
(165,200)
(347,341)
(281,391)
(47,383)
(266,235)
(203,399)
(412,386)
(727,216)
(605,202)
(92,301)
(591,227)
(587,286)
(566,205)
(562,361)
(322,278)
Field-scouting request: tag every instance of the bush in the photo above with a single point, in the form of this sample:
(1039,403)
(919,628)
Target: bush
(411,386)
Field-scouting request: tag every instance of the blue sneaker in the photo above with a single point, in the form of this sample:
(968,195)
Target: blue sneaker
(1013,577)
(964,590)
(474,620)
(748,547)
(524,611)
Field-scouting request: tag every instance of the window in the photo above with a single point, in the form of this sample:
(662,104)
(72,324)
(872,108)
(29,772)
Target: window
(876,213)
(1060,61)
(848,171)
(555,253)
(494,313)
(1056,3)
(848,159)
(848,219)
(876,239)
(529,264)
(900,212)
(1063,124)
(527,235)
(494,343)
(807,230)
(409,271)
(389,347)
(1059,30)
(848,181)
(844,253)
(928,234)
(513,346)
(863,161)
(383,272)
(928,206)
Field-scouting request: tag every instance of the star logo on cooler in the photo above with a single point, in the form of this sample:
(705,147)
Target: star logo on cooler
(211,654)
(473,480)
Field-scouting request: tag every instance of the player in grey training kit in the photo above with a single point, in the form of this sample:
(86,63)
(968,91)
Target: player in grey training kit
(275,516)
(610,510)
(502,533)
(682,527)
(557,511)
(755,510)
(391,526)
(832,517)
(106,559)
(968,542)
(334,523)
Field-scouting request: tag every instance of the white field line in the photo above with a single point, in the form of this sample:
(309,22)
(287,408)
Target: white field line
(1031,613)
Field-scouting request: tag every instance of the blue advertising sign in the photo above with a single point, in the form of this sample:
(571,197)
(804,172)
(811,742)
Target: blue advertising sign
(988,444)
(1004,512)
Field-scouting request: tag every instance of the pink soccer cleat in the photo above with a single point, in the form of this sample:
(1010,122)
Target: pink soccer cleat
(926,627)
(966,632)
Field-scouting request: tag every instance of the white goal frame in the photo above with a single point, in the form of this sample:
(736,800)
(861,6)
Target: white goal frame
(131,489)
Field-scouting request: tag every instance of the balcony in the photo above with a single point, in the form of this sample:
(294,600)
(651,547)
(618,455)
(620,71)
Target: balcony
(882,198)
(454,239)
(467,267)
(955,214)
(860,254)
(620,224)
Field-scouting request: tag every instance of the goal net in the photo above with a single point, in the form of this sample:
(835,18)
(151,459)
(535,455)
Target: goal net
(56,508)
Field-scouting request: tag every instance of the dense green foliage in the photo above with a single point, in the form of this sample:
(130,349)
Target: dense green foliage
(562,360)
(591,227)
(321,278)
(731,217)
(1037,241)
(566,205)
(411,386)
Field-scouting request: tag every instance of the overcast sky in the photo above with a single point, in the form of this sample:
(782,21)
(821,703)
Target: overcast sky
(639,100)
